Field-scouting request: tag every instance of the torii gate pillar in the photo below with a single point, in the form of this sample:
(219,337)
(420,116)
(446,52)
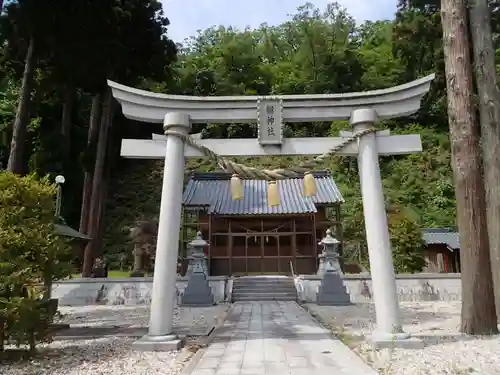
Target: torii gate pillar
(160,336)
(385,295)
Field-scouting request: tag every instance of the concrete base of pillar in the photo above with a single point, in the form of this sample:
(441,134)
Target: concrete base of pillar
(380,340)
(165,343)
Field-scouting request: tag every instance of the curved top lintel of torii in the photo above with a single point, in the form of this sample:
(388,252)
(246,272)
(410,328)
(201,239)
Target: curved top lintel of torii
(151,107)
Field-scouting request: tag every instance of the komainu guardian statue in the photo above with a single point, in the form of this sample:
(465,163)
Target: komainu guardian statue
(143,237)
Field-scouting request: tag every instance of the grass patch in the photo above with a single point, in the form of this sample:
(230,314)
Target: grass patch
(111,275)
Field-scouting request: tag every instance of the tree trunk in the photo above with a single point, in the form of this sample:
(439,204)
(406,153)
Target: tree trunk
(478,308)
(489,109)
(20,128)
(138,254)
(103,191)
(97,185)
(68,104)
(95,116)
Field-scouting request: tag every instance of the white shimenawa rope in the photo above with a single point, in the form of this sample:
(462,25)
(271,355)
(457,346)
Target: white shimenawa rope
(246,172)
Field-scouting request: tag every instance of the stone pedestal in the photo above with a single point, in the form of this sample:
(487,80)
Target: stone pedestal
(198,292)
(332,291)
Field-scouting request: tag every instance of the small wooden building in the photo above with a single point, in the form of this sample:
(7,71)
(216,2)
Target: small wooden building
(443,250)
(248,237)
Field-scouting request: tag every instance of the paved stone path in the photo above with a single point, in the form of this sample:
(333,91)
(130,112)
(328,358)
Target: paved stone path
(276,338)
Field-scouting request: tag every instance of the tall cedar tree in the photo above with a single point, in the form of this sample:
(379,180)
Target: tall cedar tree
(478,307)
(489,110)
(23,20)
(135,48)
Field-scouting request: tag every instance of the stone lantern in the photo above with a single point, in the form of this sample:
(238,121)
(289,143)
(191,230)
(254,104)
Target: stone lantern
(197,255)
(197,292)
(331,291)
(329,257)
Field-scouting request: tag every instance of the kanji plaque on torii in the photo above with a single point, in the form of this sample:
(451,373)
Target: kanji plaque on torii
(269,121)
(362,109)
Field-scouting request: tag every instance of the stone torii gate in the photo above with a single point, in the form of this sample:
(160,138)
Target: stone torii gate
(362,109)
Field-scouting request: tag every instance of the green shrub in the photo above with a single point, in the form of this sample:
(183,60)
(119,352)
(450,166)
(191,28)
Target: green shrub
(407,243)
(406,239)
(32,256)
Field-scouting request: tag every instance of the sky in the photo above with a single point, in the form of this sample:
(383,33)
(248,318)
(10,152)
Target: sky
(188,16)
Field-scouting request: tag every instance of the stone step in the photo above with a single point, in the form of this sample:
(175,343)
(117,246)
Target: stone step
(264,279)
(265,287)
(258,292)
(269,289)
(245,282)
(262,284)
(257,276)
(251,293)
(264,298)
(255,288)
(264,291)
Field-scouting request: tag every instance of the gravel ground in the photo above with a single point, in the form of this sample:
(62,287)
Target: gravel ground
(446,352)
(114,355)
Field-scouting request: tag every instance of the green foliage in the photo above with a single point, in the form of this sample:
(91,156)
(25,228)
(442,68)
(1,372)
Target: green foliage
(27,228)
(31,257)
(9,98)
(9,94)
(406,239)
(421,183)
(81,43)
(315,52)
(407,243)
(125,209)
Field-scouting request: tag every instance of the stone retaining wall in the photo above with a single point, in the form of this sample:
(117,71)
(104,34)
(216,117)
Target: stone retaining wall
(410,287)
(137,291)
(126,291)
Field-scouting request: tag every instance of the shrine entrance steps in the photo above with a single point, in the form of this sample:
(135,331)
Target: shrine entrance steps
(264,288)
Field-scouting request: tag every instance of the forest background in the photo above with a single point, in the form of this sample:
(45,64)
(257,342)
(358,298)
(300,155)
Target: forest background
(57,116)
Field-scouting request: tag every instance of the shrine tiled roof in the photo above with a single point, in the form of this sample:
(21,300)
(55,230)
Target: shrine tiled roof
(212,191)
(441,236)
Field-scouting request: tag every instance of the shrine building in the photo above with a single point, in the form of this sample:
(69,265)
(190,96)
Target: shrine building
(442,251)
(247,237)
